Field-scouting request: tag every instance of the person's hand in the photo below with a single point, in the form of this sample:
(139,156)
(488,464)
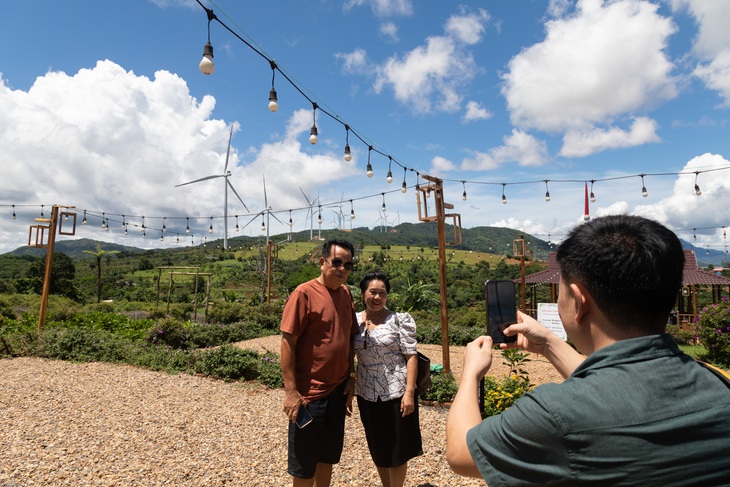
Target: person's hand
(350,393)
(292,402)
(407,403)
(532,336)
(478,358)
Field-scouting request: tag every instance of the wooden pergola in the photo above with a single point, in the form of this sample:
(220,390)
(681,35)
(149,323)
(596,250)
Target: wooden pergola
(692,279)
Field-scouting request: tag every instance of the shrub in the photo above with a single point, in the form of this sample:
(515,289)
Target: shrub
(81,345)
(270,371)
(682,337)
(443,388)
(169,332)
(713,331)
(500,394)
(228,363)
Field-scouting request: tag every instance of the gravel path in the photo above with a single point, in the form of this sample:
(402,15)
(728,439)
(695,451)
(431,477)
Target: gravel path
(102,424)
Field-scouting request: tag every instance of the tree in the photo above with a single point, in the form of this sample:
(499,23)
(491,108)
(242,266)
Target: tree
(99,254)
(62,275)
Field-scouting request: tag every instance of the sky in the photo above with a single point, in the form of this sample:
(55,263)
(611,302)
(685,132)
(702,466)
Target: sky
(103,107)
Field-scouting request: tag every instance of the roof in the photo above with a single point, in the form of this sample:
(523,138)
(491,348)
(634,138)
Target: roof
(692,274)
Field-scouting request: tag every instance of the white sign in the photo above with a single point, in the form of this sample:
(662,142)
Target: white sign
(547,314)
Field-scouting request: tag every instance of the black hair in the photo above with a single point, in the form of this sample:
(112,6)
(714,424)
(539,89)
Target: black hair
(630,265)
(327,247)
(374,276)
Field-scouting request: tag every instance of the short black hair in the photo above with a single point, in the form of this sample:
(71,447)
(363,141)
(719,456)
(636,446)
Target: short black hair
(327,247)
(374,276)
(631,266)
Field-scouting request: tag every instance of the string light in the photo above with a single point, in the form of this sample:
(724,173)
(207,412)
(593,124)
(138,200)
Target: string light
(593,196)
(644,192)
(463,195)
(206,64)
(348,156)
(164,227)
(15,216)
(83,222)
(187,226)
(352,211)
(319,215)
(697,188)
(369,168)
(237,227)
(263,225)
(389,178)
(383,207)
(103,220)
(313,133)
(273,101)
(291,222)
(404,186)
(504,198)
(144,228)
(210,229)
(42,215)
(547,191)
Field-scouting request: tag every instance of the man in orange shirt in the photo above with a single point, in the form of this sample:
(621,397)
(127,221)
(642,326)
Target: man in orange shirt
(317,363)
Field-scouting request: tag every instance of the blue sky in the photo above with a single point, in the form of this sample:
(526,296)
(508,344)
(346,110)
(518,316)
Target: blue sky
(103,106)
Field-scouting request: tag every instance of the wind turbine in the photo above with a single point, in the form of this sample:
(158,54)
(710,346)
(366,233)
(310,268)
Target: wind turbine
(268,212)
(310,213)
(226,174)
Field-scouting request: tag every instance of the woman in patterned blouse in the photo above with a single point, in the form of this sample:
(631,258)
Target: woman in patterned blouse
(386,382)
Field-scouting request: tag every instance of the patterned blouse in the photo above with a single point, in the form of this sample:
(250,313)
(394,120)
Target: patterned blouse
(381,364)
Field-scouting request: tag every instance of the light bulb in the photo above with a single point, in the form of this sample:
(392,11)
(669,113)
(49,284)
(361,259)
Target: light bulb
(593,197)
(348,156)
(504,200)
(463,196)
(273,104)
(390,177)
(187,230)
(403,187)
(313,135)
(291,223)
(206,64)
(237,228)
(644,192)
(263,226)
(352,214)
(698,192)
(210,230)
(369,170)
(547,196)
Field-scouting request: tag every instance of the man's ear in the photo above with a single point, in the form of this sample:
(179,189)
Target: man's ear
(581,300)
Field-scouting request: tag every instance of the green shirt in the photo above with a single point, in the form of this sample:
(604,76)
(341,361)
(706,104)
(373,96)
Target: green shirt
(638,412)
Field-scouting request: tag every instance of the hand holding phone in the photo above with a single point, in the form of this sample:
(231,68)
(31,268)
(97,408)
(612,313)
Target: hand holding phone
(303,417)
(501,309)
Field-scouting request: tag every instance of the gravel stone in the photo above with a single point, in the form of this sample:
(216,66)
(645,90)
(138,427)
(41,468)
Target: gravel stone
(99,424)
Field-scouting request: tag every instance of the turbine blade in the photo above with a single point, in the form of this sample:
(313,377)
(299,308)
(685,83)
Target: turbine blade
(275,217)
(239,198)
(201,179)
(305,196)
(228,152)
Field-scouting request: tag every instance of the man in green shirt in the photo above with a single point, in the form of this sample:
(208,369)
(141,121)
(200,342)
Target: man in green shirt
(634,410)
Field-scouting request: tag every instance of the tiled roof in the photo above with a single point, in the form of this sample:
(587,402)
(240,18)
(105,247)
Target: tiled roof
(692,275)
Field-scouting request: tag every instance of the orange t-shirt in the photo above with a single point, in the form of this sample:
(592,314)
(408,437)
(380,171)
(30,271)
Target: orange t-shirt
(323,322)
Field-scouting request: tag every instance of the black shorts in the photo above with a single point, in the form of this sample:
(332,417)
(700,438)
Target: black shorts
(321,441)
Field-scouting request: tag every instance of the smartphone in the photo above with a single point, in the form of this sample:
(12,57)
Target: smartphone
(501,309)
(303,417)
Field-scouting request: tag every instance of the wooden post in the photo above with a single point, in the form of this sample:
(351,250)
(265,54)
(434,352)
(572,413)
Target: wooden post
(49,266)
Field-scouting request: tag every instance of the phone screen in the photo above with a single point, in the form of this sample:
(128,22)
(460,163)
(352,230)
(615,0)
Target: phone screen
(303,417)
(501,309)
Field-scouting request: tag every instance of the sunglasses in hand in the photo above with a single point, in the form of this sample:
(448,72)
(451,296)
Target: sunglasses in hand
(337,263)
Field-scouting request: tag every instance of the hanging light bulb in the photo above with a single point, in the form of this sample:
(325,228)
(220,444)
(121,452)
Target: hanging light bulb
(162,235)
(698,192)
(187,225)
(66,217)
(313,133)
(404,186)
(504,198)
(547,191)
(103,220)
(352,211)
(369,168)
(83,222)
(319,215)
(291,222)
(164,227)
(210,229)
(143,227)
(206,64)
(593,196)
(237,227)
(383,207)
(463,195)
(389,177)
(263,225)
(644,192)
(125,231)
(273,101)
(124,223)
(42,215)
(348,155)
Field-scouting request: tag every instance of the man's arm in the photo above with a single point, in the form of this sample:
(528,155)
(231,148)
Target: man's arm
(464,413)
(292,398)
(535,338)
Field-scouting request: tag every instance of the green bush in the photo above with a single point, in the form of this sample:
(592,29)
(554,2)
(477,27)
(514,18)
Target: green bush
(208,335)
(228,363)
(270,371)
(81,345)
(443,388)
(169,332)
(682,337)
(500,394)
(119,324)
(713,330)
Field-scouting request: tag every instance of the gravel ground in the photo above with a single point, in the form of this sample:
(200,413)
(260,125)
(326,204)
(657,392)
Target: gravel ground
(102,424)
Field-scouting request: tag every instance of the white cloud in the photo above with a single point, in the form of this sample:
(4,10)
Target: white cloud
(429,77)
(440,166)
(520,147)
(383,8)
(579,143)
(108,140)
(716,75)
(605,61)
(389,30)
(474,111)
(354,62)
